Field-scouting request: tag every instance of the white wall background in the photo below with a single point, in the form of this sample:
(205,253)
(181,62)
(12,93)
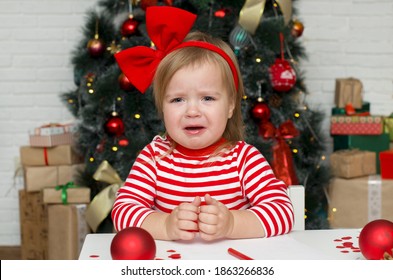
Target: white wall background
(342,38)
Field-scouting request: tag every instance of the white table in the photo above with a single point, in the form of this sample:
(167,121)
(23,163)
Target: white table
(337,244)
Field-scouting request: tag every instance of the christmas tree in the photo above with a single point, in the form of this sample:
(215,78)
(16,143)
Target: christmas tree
(115,121)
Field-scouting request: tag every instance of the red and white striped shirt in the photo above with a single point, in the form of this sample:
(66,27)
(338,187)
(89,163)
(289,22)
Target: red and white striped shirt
(240,178)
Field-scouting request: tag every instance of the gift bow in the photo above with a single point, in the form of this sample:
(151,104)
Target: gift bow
(167,27)
(282,156)
(102,203)
(64,188)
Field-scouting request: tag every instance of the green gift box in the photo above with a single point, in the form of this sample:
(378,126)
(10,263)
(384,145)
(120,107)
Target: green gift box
(341,111)
(373,143)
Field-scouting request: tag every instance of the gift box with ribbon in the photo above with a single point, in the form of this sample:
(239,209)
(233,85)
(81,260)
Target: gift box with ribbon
(52,135)
(40,156)
(388,122)
(386,160)
(66,194)
(38,177)
(355,202)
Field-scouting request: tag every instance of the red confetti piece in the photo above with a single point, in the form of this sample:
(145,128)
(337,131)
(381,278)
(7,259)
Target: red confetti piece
(344,251)
(348,244)
(340,247)
(337,240)
(171,251)
(356,251)
(94,256)
(175,256)
(158,259)
(346,238)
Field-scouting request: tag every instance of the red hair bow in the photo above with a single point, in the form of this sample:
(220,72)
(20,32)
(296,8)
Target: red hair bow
(167,27)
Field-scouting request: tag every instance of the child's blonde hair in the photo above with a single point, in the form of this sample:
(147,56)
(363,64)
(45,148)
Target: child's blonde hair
(194,56)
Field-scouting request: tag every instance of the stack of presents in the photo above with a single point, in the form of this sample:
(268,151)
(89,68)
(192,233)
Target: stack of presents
(362,160)
(52,207)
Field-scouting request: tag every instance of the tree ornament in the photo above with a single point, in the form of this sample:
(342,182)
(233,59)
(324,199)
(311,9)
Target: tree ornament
(239,38)
(124,83)
(133,243)
(96,46)
(275,100)
(221,13)
(376,239)
(261,111)
(282,75)
(297,29)
(114,126)
(129,26)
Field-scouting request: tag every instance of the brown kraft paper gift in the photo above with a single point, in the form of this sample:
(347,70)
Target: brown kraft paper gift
(353,163)
(41,156)
(349,91)
(355,202)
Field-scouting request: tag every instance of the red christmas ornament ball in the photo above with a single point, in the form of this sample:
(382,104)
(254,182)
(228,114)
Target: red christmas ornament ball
(115,126)
(133,243)
(124,83)
(376,239)
(282,75)
(96,47)
(261,111)
(129,27)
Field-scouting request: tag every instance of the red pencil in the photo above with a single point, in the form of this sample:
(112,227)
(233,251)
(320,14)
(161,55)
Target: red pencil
(238,255)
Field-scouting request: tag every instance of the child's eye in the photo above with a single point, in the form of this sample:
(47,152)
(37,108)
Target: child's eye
(209,98)
(175,100)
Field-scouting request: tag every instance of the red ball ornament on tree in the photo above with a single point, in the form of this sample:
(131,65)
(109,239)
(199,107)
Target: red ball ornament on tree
(376,239)
(261,111)
(124,83)
(114,126)
(133,243)
(129,27)
(282,75)
(96,47)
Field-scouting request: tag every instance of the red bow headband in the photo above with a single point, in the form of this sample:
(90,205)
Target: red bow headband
(167,27)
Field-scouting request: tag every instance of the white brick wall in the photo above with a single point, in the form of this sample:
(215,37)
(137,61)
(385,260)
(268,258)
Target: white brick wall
(342,38)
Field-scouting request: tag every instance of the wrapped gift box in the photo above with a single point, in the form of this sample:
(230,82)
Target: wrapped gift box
(51,140)
(341,111)
(67,229)
(37,178)
(386,160)
(76,195)
(33,226)
(348,91)
(353,163)
(356,125)
(40,156)
(388,121)
(355,202)
(373,143)
(55,128)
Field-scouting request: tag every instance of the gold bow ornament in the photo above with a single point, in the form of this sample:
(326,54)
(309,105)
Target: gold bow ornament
(101,205)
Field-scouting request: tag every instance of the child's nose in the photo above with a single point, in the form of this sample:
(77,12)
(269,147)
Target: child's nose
(193,109)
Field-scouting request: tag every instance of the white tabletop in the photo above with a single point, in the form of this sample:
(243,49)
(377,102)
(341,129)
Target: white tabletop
(334,244)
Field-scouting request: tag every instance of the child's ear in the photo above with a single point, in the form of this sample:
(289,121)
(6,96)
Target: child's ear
(230,109)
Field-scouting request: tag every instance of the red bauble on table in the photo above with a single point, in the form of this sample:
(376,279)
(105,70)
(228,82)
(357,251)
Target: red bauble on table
(376,239)
(129,27)
(114,126)
(282,75)
(133,243)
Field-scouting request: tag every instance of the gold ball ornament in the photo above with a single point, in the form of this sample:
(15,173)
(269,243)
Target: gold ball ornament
(297,29)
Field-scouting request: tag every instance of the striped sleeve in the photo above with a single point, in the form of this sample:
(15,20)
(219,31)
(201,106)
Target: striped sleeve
(267,194)
(135,198)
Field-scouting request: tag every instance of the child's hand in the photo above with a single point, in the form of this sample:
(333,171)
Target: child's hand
(182,222)
(215,220)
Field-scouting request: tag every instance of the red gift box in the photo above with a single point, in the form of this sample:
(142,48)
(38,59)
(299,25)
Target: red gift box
(386,161)
(356,125)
